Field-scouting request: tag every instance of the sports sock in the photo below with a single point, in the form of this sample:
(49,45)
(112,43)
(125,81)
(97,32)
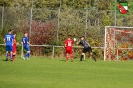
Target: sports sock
(26,55)
(11,56)
(94,58)
(6,55)
(66,58)
(72,57)
(81,57)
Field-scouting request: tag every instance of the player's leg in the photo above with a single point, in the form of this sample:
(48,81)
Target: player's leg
(14,54)
(28,53)
(14,51)
(11,55)
(71,55)
(25,54)
(91,53)
(83,53)
(7,51)
(93,56)
(67,55)
(6,55)
(10,49)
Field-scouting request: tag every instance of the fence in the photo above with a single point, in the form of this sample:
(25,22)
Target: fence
(51,26)
(61,52)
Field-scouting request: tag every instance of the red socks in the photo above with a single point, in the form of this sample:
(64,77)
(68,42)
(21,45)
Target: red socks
(13,57)
(66,58)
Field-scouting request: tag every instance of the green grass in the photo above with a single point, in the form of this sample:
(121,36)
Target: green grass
(42,72)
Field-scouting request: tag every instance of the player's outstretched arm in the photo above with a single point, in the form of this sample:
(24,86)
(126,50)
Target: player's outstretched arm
(29,43)
(64,46)
(4,41)
(78,42)
(14,42)
(22,43)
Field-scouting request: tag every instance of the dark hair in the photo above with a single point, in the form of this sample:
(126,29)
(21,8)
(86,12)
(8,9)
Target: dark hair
(14,32)
(69,36)
(25,32)
(9,30)
(82,37)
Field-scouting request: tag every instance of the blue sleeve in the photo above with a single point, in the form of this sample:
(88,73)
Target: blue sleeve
(13,37)
(22,39)
(5,37)
(27,39)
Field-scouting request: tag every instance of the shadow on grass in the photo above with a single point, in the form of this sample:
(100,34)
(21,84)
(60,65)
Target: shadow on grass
(4,60)
(63,60)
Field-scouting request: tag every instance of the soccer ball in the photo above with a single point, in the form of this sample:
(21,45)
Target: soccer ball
(75,39)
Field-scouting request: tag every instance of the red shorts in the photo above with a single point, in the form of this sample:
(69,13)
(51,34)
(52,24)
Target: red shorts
(69,51)
(14,49)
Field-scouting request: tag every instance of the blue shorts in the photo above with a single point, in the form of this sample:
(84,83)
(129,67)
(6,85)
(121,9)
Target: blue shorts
(27,48)
(9,48)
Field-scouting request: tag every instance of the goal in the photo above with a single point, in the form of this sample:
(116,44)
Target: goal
(118,43)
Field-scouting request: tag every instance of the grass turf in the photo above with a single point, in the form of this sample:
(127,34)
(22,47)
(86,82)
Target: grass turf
(42,72)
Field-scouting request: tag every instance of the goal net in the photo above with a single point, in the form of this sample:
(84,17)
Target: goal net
(118,43)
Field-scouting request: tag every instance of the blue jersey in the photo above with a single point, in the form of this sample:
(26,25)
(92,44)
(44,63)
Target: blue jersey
(25,41)
(9,39)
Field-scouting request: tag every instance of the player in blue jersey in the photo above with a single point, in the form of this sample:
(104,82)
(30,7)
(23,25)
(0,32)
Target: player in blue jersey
(25,42)
(8,40)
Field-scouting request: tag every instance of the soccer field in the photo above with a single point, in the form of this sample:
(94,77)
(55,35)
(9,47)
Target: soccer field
(42,72)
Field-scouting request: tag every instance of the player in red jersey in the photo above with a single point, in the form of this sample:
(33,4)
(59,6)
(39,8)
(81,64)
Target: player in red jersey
(68,47)
(14,46)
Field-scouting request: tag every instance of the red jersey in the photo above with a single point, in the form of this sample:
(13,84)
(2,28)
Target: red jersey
(68,44)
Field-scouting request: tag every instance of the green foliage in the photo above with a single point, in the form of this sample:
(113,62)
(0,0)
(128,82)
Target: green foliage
(46,4)
(106,20)
(2,48)
(7,3)
(101,5)
(105,4)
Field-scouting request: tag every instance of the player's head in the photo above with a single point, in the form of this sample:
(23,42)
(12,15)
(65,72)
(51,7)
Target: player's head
(26,34)
(14,33)
(82,37)
(69,36)
(10,31)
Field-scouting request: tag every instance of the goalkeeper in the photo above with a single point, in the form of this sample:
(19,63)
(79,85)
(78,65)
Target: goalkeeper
(87,47)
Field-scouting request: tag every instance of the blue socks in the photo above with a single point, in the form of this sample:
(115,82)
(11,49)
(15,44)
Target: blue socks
(8,55)
(27,55)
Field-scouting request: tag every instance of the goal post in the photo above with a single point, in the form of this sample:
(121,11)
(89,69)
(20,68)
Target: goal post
(118,43)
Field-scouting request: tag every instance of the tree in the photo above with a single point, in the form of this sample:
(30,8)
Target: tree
(7,3)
